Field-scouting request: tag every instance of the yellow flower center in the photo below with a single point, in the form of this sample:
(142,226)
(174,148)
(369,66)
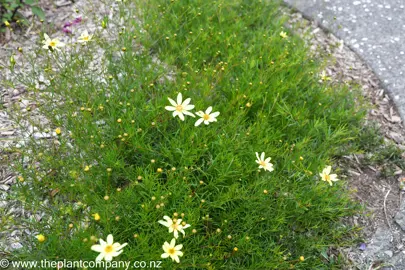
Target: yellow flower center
(179,108)
(206,117)
(262,163)
(108,249)
(171,251)
(52,43)
(175,226)
(86,38)
(327,177)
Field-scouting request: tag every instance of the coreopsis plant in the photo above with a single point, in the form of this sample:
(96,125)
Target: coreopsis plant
(283,34)
(172,251)
(180,108)
(206,117)
(324,76)
(85,37)
(264,163)
(108,249)
(175,225)
(52,44)
(327,177)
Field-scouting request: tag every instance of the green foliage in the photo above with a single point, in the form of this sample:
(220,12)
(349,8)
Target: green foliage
(9,9)
(225,54)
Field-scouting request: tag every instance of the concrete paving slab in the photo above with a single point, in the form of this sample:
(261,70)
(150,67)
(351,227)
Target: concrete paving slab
(374,29)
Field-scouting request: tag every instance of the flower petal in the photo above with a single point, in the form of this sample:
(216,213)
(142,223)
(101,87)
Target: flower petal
(179,98)
(110,239)
(164,223)
(186,102)
(100,257)
(209,109)
(102,242)
(173,242)
(200,113)
(108,257)
(188,107)
(189,113)
(181,116)
(121,247)
(97,248)
(170,108)
(172,102)
(198,122)
(328,169)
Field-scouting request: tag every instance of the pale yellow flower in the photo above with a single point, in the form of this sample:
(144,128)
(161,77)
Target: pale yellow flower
(283,34)
(324,76)
(175,226)
(206,116)
(51,44)
(84,37)
(326,176)
(108,249)
(264,163)
(172,251)
(180,108)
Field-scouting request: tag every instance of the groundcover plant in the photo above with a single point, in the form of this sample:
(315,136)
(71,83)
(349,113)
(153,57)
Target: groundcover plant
(205,139)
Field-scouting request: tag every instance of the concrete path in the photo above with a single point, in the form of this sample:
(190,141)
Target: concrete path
(374,29)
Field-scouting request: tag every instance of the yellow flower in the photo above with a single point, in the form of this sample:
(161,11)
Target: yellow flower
(41,238)
(326,176)
(86,169)
(172,251)
(174,226)
(324,76)
(207,117)
(264,163)
(108,249)
(84,37)
(51,44)
(283,34)
(96,217)
(58,131)
(6,23)
(180,108)
(302,258)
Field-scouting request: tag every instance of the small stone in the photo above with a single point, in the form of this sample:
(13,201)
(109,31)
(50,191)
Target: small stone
(400,217)
(389,253)
(4,187)
(16,246)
